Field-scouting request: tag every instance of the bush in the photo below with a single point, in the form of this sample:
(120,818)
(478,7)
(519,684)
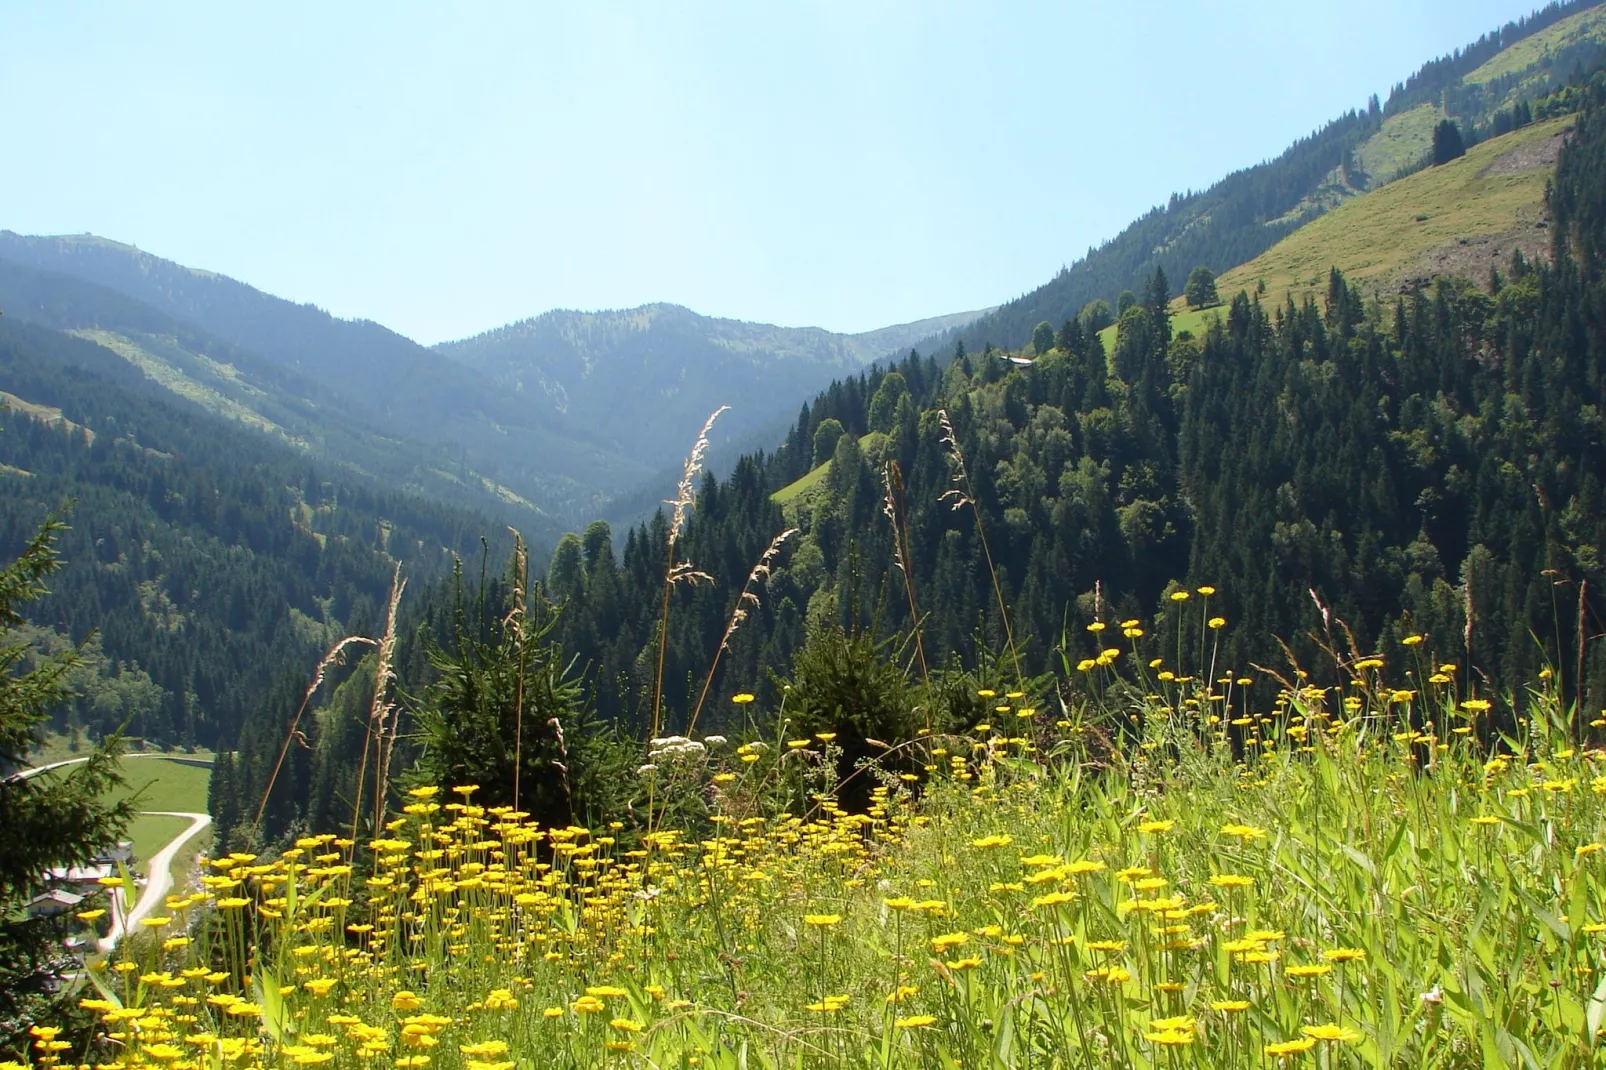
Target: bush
(844,682)
(505,711)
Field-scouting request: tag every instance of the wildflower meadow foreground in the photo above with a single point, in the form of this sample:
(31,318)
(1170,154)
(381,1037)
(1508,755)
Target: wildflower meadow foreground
(1350,878)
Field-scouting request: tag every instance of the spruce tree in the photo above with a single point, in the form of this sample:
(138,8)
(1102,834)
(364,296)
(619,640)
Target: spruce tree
(1447,142)
(49,820)
(1069,339)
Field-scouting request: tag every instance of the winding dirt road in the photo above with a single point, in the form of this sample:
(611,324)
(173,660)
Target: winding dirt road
(158,879)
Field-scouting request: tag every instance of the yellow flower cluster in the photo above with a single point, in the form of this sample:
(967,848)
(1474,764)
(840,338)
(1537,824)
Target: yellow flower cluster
(1205,900)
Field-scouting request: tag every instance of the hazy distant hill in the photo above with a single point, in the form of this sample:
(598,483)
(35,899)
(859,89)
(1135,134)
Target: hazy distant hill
(645,378)
(518,412)
(214,563)
(365,370)
(248,389)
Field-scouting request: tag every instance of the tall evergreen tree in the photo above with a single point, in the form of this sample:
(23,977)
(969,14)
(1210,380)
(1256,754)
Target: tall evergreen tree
(49,820)
(1448,143)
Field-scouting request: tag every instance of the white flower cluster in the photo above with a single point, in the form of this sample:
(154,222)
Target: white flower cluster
(670,747)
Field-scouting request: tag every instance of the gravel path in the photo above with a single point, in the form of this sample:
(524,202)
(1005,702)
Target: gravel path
(158,879)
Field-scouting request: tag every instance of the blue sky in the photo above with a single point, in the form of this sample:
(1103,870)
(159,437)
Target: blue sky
(444,169)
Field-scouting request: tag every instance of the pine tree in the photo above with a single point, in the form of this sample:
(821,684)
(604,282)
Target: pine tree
(49,820)
(1447,142)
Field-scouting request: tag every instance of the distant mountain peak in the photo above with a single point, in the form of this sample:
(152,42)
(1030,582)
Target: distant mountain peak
(645,377)
(566,408)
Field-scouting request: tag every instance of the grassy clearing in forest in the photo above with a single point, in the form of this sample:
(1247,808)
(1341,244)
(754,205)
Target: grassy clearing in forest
(150,833)
(1163,871)
(186,374)
(814,478)
(1401,142)
(162,783)
(1183,318)
(1378,238)
(1531,51)
(165,784)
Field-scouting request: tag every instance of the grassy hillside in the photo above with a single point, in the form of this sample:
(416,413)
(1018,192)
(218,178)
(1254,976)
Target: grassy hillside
(1193,320)
(1454,219)
(1249,211)
(1399,144)
(162,361)
(165,784)
(795,491)
(149,833)
(1523,71)
(1460,218)
(796,488)
(1545,50)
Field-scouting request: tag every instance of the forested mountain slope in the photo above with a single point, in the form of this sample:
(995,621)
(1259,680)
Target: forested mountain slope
(1465,217)
(214,563)
(1251,210)
(514,420)
(640,377)
(361,369)
(1337,468)
(258,393)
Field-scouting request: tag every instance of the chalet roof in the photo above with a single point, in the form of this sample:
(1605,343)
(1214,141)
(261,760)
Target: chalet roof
(59,896)
(81,874)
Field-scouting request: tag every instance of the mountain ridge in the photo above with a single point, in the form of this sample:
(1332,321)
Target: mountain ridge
(868,345)
(373,373)
(677,360)
(1250,210)
(509,420)
(244,388)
